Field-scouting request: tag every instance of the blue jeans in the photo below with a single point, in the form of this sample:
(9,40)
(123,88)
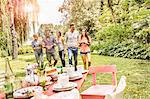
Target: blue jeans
(39,57)
(73,51)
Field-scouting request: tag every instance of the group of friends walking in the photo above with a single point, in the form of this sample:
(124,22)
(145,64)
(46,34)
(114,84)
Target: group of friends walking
(71,41)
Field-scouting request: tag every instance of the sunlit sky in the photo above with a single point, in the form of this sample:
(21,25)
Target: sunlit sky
(49,11)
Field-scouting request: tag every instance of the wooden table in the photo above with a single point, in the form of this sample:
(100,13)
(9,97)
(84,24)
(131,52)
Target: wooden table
(79,82)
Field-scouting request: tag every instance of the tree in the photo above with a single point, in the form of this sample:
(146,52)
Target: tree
(20,21)
(12,30)
(84,13)
(33,13)
(5,39)
(14,23)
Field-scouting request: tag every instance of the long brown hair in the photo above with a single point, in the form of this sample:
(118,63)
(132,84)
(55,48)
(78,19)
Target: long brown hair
(86,35)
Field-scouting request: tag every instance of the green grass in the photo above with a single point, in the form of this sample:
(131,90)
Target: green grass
(136,71)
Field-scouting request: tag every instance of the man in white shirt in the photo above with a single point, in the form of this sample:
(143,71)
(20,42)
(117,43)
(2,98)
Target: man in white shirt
(72,38)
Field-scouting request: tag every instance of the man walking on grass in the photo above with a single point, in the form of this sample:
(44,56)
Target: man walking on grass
(49,43)
(72,38)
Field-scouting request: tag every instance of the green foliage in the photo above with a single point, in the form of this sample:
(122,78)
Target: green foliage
(94,46)
(131,18)
(114,32)
(129,36)
(143,35)
(4,47)
(25,49)
(5,38)
(127,50)
(84,13)
(3,53)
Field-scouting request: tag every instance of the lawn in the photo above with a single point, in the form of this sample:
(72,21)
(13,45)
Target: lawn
(136,71)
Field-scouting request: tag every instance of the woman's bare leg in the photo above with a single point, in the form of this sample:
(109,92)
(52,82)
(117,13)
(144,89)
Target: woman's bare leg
(84,61)
(89,59)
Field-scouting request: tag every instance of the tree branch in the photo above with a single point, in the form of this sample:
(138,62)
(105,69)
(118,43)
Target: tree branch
(111,8)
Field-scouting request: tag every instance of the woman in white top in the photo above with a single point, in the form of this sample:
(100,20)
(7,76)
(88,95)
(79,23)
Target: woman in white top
(60,43)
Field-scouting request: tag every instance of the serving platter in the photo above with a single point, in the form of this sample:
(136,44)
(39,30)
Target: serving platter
(27,92)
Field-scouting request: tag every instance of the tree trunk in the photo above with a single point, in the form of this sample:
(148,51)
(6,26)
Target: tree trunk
(14,44)
(13,32)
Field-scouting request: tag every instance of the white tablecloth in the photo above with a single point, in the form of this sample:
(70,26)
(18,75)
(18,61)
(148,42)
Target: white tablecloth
(73,94)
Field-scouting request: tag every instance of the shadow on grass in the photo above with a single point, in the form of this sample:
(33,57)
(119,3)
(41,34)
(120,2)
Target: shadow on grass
(30,60)
(27,60)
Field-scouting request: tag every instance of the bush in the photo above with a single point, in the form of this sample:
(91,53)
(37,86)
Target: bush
(3,53)
(114,32)
(25,49)
(94,46)
(126,50)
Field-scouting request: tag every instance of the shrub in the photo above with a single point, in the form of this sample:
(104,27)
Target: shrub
(94,46)
(25,49)
(126,50)
(3,53)
(114,32)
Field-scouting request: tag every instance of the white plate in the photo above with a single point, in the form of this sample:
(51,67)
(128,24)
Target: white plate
(69,86)
(24,92)
(75,74)
(76,78)
(66,89)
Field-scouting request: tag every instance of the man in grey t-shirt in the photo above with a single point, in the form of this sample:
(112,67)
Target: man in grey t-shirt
(49,43)
(72,38)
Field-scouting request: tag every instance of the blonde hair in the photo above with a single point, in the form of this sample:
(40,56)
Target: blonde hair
(35,35)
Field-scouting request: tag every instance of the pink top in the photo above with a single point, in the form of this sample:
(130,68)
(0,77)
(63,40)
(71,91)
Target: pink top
(84,44)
